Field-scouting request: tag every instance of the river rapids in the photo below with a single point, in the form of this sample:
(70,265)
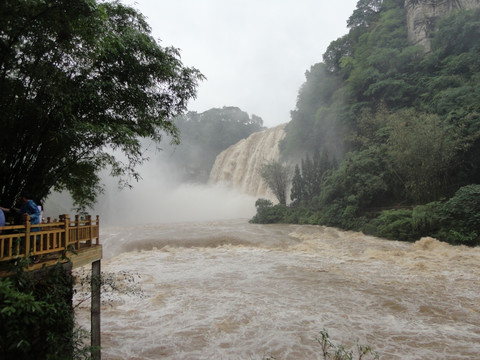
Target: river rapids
(233,290)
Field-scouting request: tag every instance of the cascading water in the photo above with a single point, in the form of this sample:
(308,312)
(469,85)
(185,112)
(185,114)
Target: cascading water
(238,166)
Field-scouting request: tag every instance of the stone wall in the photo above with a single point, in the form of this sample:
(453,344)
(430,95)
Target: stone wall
(422,14)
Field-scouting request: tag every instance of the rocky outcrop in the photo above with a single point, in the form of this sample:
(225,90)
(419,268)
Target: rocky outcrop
(422,15)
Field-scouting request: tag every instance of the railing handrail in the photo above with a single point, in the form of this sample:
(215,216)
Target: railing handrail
(48,237)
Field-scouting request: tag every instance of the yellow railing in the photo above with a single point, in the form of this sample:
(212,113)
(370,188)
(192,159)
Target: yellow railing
(49,237)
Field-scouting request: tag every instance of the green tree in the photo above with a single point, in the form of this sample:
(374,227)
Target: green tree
(424,152)
(367,12)
(307,183)
(458,32)
(297,192)
(81,82)
(309,176)
(278,177)
(361,181)
(336,52)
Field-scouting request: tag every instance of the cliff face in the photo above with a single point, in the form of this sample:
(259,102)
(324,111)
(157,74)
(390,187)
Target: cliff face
(422,14)
(238,166)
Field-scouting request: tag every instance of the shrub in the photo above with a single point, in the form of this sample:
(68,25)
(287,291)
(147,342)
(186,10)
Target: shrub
(267,213)
(393,224)
(339,352)
(456,221)
(426,218)
(460,217)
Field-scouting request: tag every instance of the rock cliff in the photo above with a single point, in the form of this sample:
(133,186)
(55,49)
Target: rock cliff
(422,15)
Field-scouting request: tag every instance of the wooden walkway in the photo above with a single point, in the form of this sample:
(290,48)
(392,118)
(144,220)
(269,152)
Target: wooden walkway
(51,242)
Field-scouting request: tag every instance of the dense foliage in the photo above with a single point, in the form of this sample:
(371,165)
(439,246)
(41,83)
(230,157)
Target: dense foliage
(399,126)
(81,82)
(205,135)
(36,316)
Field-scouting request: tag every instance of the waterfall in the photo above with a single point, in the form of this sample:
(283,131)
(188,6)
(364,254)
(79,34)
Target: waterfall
(238,166)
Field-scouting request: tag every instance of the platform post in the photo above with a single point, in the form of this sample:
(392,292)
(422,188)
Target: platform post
(95,311)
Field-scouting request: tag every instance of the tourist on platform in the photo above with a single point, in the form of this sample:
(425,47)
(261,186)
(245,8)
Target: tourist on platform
(2,219)
(27,206)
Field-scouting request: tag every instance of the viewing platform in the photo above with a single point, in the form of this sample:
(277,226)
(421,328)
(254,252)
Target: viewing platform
(72,242)
(51,242)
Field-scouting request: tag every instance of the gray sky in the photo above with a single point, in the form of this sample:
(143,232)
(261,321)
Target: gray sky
(254,53)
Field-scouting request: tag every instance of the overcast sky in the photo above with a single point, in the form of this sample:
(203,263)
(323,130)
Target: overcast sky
(254,53)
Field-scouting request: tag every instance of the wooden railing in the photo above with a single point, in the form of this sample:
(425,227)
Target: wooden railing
(49,237)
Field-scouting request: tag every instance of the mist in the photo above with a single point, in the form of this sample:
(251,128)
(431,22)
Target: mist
(159,197)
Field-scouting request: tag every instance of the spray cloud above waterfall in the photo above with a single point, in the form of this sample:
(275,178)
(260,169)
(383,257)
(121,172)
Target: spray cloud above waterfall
(173,182)
(159,198)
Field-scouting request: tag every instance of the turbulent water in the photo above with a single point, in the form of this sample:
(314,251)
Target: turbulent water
(239,165)
(232,290)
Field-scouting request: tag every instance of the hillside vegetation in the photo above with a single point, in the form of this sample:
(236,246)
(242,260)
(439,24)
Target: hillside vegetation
(205,135)
(386,136)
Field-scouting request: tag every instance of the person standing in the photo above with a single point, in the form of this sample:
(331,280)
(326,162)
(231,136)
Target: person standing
(27,206)
(2,219)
